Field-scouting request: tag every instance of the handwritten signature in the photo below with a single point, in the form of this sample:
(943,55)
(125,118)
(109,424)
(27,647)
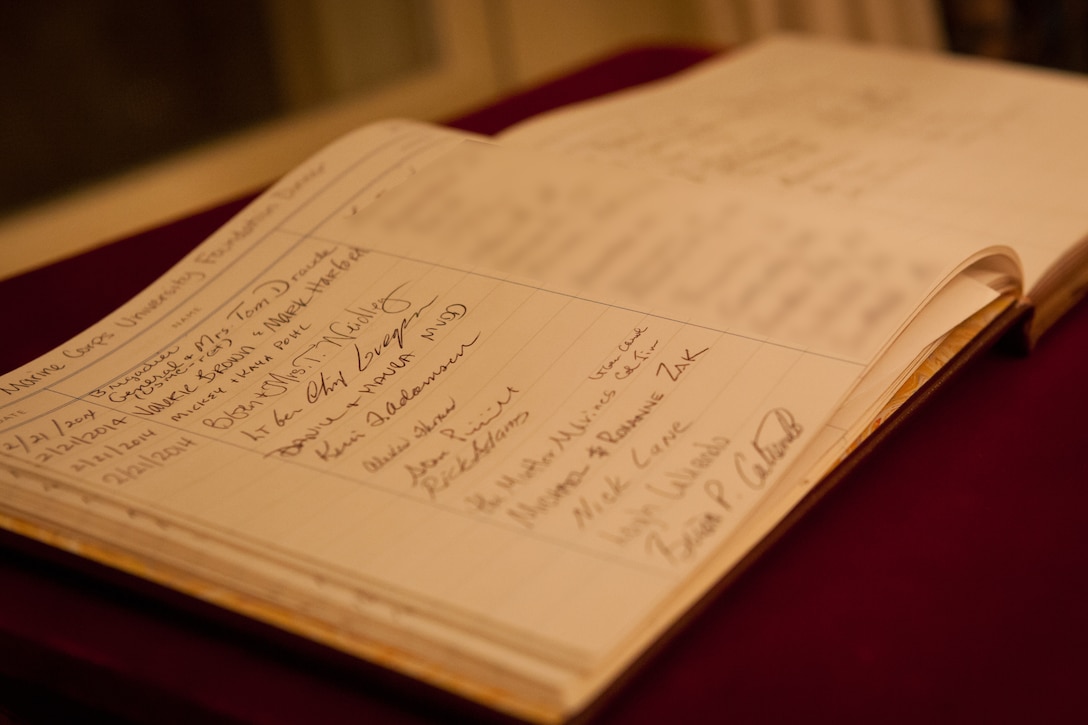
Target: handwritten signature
(774,437)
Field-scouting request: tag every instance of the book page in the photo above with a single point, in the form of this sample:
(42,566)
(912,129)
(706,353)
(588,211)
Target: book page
(354,401)
(976,147)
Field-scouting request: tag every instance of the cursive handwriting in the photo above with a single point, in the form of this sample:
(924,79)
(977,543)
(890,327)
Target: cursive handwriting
(31,379)
(775,435)
(589,507)
(683,547)
(377,462)
(323,386)
(364,358)
(490,414)
(677,481)
(482,446)
(576,427)
(623,347)
(660,446)
(100,340)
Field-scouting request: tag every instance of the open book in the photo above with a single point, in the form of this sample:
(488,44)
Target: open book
(495,415)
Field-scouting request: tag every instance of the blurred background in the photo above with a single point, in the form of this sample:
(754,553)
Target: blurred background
(124,114)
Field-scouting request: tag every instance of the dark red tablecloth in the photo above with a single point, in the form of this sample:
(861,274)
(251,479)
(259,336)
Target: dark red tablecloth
(945,580)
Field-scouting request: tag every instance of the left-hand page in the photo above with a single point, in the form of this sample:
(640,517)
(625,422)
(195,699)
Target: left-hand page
(483,481)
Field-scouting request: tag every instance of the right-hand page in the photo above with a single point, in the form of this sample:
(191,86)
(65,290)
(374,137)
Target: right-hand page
(978,146)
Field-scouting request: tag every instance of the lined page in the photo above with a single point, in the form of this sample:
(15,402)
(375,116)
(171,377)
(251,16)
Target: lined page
(977,147)
(377,397)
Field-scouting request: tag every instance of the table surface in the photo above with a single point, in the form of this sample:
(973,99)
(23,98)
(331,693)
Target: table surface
(945,579)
